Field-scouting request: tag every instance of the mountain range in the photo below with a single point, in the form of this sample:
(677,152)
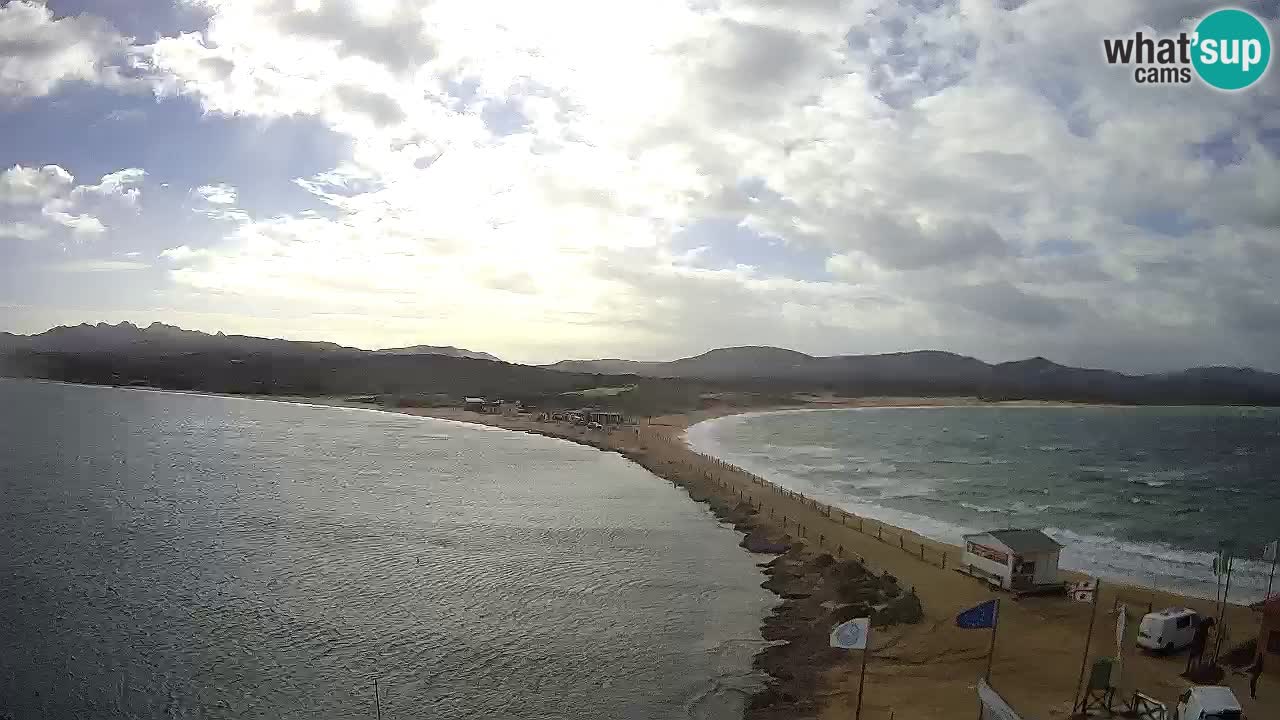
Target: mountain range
(448,350)
(168,356)
(936,372)
(158,337)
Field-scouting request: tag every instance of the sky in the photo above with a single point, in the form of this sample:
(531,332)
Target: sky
(645,179)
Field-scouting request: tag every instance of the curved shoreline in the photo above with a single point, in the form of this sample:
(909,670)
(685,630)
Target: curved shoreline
(946,531)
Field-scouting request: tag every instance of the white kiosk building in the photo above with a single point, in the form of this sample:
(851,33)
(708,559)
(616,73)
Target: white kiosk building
(1017,560)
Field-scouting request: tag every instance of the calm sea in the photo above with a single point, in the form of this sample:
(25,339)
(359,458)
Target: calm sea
(166,555)
(1142,494)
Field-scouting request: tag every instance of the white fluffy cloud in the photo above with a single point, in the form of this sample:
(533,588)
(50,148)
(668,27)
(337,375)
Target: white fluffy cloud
(33,186)
(969,174)
(219,194)
(39,52)
(43,203)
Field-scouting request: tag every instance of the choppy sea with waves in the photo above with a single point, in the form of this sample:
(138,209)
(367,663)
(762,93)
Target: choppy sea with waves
(1138,494)
(180,556)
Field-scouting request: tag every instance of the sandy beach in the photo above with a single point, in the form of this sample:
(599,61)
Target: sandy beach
(927,670)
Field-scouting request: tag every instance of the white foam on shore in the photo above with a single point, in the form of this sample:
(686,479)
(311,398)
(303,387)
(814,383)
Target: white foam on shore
(1154,565)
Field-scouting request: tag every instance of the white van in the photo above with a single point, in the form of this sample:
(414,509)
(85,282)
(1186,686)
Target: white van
(1168,630)
(1209,702)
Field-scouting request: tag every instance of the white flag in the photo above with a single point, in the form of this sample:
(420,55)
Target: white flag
(1269,554)
(851,635)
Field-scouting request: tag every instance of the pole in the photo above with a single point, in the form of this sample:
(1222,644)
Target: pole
(1222,615)
(1217,572)
(991,652)
(1088,640)
(862,676)
(377,703)
(1270,579)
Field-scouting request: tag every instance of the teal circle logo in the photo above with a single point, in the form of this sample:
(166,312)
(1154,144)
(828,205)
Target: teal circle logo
(1232,49)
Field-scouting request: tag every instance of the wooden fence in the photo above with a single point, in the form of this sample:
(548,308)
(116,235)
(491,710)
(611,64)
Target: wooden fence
(887,534)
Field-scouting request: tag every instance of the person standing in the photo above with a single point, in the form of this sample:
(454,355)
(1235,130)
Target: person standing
(1255,671)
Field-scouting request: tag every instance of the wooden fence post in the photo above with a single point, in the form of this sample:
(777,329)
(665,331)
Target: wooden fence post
(944,561)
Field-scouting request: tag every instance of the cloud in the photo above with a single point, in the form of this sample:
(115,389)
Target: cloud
(218,202)
(120,186)
(219,194)
(38,52)
(22,231)
(96,266)
(1002,301)
(33,186)
(382,109)
(80,224)
(42,203)
(959,174)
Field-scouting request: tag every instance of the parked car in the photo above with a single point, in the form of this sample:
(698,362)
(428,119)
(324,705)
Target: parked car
(1208,702)
(594,426)
(1168,630)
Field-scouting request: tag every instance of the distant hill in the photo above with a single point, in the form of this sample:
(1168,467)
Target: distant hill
(165,356)
(448,350)
(933,372)
(755,362)
(170,357)
(158,337)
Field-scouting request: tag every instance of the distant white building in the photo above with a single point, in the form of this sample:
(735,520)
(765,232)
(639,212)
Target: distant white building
(1016,560)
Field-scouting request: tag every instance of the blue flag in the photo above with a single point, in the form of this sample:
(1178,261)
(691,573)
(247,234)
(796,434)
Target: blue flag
(978,616)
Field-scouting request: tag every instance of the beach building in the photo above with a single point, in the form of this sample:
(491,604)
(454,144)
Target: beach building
(1016,560)
(604,417)
(1269,636)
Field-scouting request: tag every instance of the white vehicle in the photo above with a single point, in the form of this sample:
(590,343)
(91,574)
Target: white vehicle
(1208,702)
(1168,630)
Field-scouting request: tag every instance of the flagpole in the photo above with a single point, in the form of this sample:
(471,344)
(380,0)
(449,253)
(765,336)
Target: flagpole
(1217,573)
(862,677)
(1275,553)
(991,652)
(1088,640)
(1222,615)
